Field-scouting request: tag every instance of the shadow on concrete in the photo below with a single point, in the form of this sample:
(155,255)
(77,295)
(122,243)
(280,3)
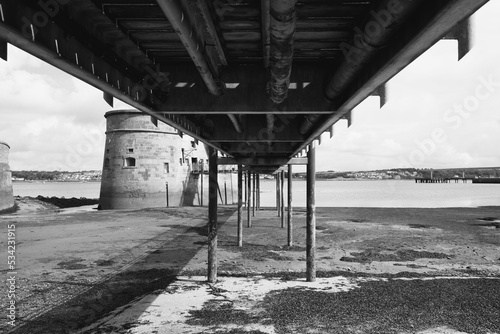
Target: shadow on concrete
(144,274)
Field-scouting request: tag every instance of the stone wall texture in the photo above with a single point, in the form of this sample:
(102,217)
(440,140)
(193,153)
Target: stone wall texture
(143,158)
(6,193)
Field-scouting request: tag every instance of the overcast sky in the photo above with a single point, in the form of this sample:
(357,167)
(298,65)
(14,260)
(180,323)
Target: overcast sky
(440,113)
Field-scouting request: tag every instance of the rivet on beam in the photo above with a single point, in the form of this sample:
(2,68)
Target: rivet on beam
(57,47)
(76,58)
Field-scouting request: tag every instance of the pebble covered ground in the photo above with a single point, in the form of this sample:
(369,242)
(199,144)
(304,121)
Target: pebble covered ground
(425,271)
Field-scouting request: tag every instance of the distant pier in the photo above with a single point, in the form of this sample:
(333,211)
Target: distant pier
(444,180)
(487,180)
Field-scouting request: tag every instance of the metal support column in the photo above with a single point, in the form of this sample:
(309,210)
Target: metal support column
(258,191)
(245,201)
(240,206)
(282,199)
(311,215)
(290,212)
(202,175)
(212,215)
(253,194)
(277,176)
(249,199)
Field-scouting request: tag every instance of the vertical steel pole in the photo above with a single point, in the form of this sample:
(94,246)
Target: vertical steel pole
(249,199)
(258,192)
(212,215)
(225,193)
(290,212)
(253,194)
(245,201)
(240,206)
(282,200)
(202,175)
(311,215)
(166,193)
(277,176)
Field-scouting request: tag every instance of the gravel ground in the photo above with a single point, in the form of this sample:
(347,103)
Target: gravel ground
(400,271)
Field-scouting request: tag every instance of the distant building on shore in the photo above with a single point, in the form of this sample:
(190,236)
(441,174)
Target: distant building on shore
(148,163)
(6,192)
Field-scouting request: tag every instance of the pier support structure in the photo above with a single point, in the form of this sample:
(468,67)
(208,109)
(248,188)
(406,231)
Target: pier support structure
(253,193)
(290,209)
(282,199)
(240,206)
(212,215)
(258,192)
(311,215)
(249,199)
(278,209)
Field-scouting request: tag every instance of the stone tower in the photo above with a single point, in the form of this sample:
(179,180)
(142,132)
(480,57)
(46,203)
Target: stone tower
(146,163)
(6,193)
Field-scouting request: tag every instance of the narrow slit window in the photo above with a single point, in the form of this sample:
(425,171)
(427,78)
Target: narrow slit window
(166,168)
(130,150)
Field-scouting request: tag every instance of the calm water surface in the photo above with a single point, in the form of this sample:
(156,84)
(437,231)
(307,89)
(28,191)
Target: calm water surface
(388,193)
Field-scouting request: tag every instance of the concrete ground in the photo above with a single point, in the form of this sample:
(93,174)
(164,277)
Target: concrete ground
(379,271)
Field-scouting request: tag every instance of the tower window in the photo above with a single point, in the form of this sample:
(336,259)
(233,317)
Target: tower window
(130,150)
(129,162)
(166,168)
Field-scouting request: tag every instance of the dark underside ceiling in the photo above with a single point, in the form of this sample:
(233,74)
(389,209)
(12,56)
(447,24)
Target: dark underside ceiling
(258,79)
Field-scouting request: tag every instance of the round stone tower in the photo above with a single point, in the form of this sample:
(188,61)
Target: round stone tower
(6,193)
(146,163)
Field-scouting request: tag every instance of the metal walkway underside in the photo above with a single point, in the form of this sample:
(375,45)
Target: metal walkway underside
(258,80)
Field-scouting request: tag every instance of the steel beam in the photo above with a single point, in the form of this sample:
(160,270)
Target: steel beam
(282,28)
(422,30)
(212,215)
(265,6)
(184,29)
(262,161)
(87,59)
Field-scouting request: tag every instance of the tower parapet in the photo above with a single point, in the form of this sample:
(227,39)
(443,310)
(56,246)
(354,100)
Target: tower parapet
(6,192)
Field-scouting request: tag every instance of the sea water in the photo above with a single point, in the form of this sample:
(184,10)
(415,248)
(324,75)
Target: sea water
(383,193)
